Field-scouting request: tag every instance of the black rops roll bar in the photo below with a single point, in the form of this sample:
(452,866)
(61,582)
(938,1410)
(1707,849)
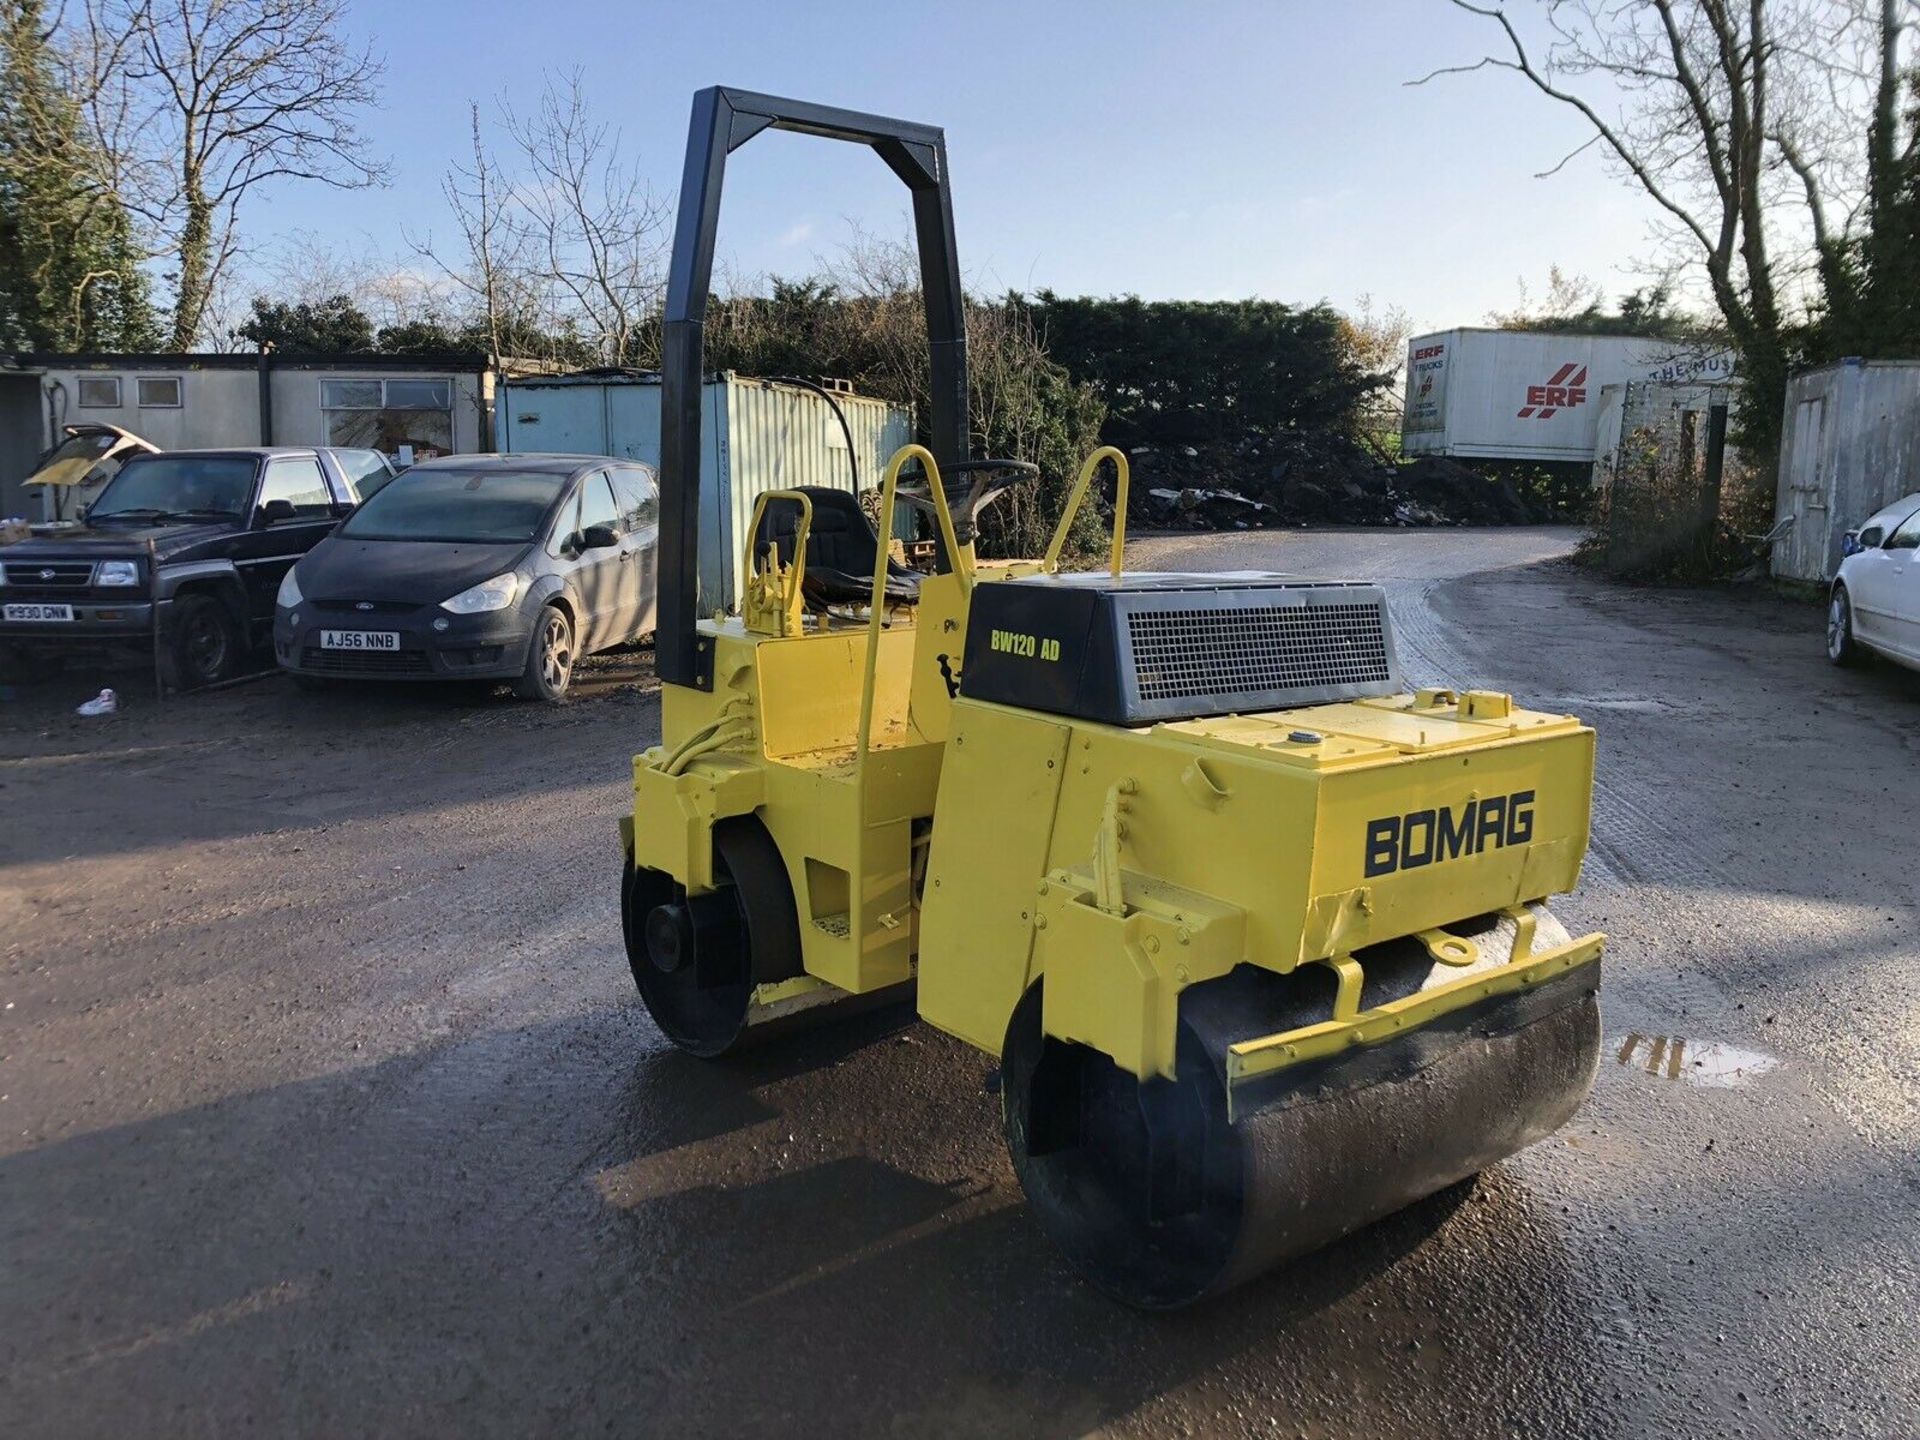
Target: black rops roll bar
(723,121)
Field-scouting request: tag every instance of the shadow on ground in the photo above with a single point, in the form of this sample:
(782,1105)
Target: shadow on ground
(471,1238)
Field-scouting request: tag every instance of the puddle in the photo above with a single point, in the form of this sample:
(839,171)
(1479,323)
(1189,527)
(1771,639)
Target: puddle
(1700,1062)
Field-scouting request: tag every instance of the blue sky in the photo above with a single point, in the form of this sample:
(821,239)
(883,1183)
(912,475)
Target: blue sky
(1204,150)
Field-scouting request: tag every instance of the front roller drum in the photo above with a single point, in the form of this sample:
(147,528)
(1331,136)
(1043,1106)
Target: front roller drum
(1156,1197)
(697,960)
(705,964)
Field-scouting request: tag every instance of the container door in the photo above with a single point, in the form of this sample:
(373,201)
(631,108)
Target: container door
(1808,538)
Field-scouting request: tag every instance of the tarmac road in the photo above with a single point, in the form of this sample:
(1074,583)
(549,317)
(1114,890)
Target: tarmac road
(326,1106)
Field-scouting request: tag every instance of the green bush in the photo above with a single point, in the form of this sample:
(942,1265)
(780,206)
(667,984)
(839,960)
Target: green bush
(1192,372)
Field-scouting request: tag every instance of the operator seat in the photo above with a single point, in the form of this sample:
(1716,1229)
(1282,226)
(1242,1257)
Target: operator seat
(841,549)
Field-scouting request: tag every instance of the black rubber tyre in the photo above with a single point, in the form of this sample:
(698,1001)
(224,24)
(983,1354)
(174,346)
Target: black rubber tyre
(203,643)
(702,1005)
(1842,648)
(550,657)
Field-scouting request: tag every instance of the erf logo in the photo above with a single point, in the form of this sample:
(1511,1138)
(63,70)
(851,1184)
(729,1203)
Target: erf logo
(1429,352)
(1563,392)
(1406,842)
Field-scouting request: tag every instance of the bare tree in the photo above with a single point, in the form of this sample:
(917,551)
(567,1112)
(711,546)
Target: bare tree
(1736,120)
(301,267)
(1376,344)
(199,103)
(1566,296)
(490,270)
(561,247)
(597,227)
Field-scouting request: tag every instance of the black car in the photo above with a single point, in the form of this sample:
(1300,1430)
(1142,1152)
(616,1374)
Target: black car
(191,544)
(471,567)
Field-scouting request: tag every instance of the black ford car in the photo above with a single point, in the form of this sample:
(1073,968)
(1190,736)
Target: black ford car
(480,568)
(180,556)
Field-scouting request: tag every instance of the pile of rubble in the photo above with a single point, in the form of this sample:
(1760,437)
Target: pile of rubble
(1314,477)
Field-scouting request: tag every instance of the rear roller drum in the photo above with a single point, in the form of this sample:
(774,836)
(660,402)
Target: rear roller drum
(697,958)
(1157,1198)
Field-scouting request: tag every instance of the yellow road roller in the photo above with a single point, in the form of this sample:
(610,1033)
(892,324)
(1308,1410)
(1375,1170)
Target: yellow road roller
(1256,933)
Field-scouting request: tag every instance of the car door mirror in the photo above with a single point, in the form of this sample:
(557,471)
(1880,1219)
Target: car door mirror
(277,512)
(598,537)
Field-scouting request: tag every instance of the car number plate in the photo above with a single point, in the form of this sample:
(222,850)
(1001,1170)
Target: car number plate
(359,639)
(37,612)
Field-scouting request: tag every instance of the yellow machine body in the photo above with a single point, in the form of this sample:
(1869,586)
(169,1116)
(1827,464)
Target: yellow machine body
(1257,941)
(980,847)
(1228,843)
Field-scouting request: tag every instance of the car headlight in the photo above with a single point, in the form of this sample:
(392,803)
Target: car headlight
(117,572)
(289,595)
(494,594)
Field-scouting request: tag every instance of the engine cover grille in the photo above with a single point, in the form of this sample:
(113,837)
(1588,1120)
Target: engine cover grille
(1176,647)
(1179,654)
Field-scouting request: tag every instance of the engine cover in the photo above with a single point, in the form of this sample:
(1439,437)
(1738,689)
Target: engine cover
(1150,647)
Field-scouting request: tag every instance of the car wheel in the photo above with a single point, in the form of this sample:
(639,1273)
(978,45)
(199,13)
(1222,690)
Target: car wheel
(203,642)
(1842,648)
(549,658)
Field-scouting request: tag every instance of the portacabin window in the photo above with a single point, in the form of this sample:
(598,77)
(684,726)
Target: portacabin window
(99,392)
(382,414)
(157,392)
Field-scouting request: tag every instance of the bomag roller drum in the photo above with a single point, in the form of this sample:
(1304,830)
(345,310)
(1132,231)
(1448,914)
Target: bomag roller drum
(1158,1198)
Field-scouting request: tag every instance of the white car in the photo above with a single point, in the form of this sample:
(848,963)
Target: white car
(1875,601)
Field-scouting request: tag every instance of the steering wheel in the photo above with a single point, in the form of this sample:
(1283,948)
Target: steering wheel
(971,486)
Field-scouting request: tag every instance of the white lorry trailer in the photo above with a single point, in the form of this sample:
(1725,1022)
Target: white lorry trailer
(1530,394)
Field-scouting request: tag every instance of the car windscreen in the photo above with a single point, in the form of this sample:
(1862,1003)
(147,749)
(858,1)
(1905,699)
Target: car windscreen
(481,507)
(156,487)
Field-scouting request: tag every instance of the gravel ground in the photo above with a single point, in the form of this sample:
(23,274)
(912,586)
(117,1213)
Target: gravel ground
(326,1106)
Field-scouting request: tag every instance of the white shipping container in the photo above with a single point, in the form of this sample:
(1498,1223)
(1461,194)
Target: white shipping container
(1529,394)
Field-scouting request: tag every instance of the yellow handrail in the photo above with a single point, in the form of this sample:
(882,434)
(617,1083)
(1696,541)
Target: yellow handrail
(962,566)
(796,572)
(1117,556)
